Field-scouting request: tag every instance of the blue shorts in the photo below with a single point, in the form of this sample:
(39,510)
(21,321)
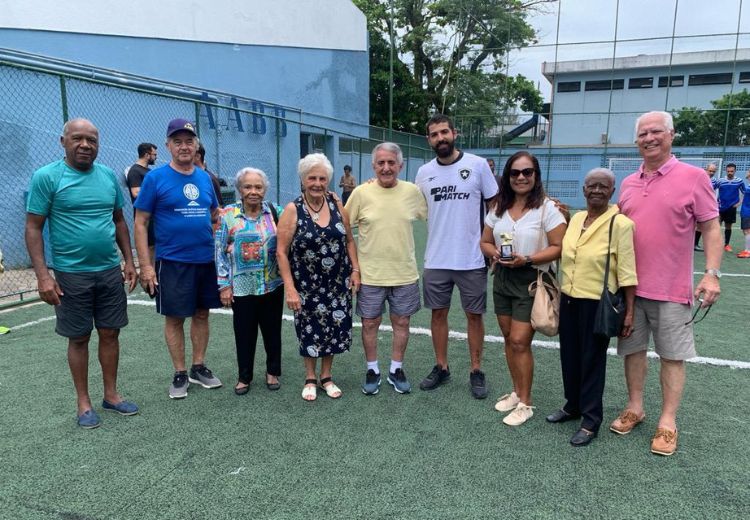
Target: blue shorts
(183,288)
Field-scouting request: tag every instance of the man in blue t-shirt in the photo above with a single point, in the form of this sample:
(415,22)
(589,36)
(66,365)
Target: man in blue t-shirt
(82,202)
(745,219)
(181,200)
(729,188)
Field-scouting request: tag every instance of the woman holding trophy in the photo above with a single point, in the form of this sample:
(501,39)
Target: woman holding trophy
(522,234)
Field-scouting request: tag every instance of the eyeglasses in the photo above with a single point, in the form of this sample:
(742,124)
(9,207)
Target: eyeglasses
(526,172)
(697,311)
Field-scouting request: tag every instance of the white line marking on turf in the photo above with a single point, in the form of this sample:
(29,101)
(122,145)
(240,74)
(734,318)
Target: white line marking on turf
(725,274)
(237,471)
(421,331)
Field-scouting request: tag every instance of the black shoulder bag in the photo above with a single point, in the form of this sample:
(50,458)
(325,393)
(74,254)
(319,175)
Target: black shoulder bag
(610,313)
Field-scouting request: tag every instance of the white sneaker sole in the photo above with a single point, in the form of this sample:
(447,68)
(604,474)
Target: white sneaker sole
(396,388)
(198,382)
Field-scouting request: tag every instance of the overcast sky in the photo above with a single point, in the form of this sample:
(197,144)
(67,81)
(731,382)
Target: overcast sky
(594,20)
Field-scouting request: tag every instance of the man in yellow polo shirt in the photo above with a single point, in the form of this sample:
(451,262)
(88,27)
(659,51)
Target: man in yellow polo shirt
(384,211)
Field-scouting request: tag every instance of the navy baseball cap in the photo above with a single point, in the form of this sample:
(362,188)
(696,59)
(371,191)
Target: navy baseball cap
(176,125)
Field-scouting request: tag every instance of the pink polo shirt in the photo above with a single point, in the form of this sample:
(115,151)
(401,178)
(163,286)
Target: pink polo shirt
(665,207)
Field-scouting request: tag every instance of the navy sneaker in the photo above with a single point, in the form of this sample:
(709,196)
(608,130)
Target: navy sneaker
(179,387)
(123,407)
(478,386)
(399,382)
(89,420)
(437,377)
(371,386)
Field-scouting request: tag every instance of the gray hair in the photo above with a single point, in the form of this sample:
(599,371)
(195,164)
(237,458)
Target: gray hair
(70,122)
(311,161)
(606,171)
(390,148)
(666,118)
(247,171)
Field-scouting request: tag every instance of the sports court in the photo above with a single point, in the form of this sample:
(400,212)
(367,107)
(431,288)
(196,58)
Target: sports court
(422,455)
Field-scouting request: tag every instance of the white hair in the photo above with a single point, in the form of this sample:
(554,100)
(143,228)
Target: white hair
(247,171)
(390,148)
(666,119)
(311,161)
(606,171)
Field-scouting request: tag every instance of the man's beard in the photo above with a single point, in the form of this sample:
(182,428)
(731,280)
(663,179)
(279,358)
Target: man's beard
(446,151)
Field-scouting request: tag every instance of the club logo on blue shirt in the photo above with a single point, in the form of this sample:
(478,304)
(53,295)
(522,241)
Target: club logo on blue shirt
(191,193)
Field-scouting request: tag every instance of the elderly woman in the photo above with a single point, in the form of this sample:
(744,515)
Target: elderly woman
(318,263)
(522,216)
(583,355)
(248,276)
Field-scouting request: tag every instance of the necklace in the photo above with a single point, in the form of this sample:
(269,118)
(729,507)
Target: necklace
(315,213)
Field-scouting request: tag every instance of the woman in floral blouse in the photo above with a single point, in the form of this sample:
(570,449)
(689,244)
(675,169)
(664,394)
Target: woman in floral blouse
(248,276)
(318,263)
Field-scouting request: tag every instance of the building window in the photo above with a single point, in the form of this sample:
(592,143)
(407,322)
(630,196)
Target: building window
(640,82)
(744,77)
(674,81)
(615,84)
(722,78)
(569,86)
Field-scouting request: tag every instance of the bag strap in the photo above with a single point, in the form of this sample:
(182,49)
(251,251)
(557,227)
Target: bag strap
(609,249)
(541,226)
(274,214)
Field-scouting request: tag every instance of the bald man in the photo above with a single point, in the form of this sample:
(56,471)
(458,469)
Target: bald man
(83,203)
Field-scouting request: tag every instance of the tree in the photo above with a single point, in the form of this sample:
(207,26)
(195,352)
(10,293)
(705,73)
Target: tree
(453,51)
(728,123)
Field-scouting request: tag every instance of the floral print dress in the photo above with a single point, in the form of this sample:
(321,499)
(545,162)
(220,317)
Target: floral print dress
(321,270)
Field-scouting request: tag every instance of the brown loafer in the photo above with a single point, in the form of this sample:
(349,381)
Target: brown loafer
(625,423)
(664,442)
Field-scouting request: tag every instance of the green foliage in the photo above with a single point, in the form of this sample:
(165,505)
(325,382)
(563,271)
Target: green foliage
(449,58)
(728,123)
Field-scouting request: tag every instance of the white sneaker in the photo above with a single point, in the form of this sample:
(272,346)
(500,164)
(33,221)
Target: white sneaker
(520,415)
(507,402)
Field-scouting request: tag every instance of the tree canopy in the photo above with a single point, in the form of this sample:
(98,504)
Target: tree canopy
(696,127)
(450,57)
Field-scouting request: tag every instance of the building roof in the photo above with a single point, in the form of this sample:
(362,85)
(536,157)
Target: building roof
(642,61)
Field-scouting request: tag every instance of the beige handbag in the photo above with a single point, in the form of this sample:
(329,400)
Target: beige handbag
(545,313)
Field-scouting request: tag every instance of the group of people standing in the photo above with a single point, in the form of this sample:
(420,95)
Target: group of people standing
(262,255)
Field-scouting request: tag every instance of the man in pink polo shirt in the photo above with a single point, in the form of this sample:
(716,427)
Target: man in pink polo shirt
(666,199)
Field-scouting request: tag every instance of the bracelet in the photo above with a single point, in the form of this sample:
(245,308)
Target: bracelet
(355,270)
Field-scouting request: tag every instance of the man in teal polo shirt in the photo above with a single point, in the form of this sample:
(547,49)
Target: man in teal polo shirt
(82,202)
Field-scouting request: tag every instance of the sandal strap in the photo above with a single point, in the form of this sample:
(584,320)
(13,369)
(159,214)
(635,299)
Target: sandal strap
(311,381)
(325,380)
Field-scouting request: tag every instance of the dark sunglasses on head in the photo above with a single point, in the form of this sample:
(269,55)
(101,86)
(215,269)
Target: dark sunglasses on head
(527,172)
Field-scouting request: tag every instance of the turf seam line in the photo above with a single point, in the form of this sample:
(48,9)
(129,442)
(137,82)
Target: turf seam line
(452,334)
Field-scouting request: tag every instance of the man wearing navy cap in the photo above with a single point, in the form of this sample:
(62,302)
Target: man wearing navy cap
(180,198)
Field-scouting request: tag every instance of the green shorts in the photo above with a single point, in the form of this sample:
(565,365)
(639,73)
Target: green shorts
(510,292)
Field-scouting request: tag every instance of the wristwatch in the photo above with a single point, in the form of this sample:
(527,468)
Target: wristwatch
(528,262)
(714,272)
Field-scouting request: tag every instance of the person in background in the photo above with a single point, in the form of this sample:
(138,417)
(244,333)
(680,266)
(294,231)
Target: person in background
(200,162)
(318,262)
(711,172)
(347,184)
(730,190)
(745,219)
(248,276)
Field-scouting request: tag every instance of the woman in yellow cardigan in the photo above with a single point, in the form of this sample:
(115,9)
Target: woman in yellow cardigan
(583,355)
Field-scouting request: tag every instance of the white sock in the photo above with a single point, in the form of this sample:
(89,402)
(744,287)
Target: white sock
(395,365)
(373,365)
(747,242)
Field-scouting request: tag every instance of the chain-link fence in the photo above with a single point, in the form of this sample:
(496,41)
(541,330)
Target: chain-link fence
(236,132)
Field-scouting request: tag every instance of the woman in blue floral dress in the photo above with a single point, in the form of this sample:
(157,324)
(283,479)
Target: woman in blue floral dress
(317,260)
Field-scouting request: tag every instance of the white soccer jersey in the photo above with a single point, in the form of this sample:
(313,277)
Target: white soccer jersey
(455,196)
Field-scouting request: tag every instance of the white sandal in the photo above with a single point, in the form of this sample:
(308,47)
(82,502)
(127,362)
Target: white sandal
(332,391)
(310,390)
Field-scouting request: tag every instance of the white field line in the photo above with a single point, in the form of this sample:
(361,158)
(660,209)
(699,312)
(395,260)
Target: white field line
(552,345)
(725,274)
(420,331)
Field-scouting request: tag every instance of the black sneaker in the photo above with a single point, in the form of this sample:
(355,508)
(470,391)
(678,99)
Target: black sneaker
(179,387)
(437,377)
(478,388)
(201,375)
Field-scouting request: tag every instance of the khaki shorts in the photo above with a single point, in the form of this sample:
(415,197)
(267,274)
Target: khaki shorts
(666,322)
